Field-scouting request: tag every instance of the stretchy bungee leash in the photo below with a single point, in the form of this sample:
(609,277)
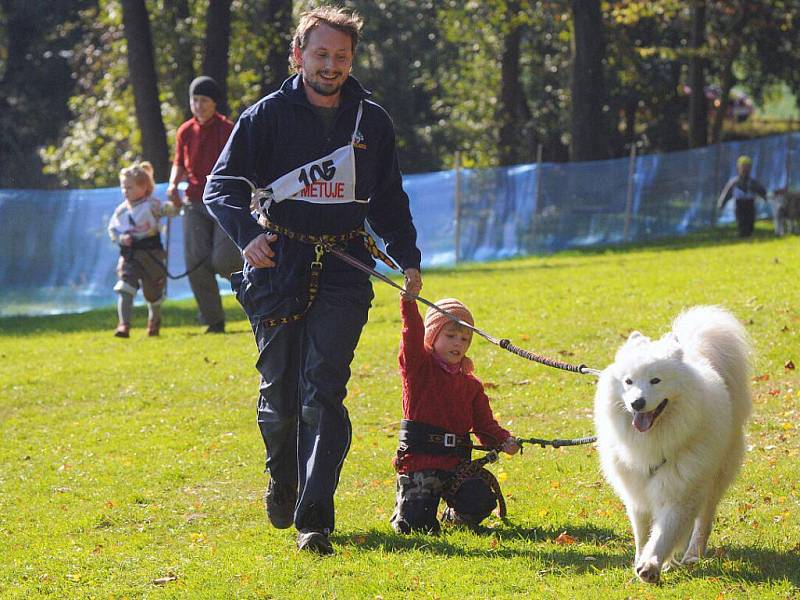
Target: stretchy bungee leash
(504,343)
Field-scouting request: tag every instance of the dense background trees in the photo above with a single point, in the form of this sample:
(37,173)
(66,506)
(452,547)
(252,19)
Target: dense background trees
(89,85)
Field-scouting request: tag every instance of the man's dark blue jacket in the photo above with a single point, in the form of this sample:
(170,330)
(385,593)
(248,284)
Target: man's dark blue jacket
(282,132)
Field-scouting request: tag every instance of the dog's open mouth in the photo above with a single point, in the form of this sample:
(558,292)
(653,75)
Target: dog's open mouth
(642,421)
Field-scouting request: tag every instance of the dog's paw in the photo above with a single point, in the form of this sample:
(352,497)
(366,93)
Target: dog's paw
(648,570)
(690,559)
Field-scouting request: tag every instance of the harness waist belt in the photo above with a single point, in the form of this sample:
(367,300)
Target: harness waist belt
(422,438)
(152,242)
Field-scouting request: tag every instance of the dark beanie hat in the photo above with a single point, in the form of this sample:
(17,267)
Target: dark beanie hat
(205,86)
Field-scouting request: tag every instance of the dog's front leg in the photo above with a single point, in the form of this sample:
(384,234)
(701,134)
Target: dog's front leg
(670,525)
(640,524)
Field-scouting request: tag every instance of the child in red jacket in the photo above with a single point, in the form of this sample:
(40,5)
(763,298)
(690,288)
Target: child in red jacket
(442,403)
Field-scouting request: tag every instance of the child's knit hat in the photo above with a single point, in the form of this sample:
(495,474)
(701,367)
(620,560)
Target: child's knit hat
(435,322)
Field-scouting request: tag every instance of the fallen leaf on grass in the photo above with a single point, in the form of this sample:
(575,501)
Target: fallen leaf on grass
(166,579)
(764,377)
(564,539)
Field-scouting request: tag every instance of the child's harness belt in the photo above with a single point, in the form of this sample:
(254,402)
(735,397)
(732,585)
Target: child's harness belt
(422,438)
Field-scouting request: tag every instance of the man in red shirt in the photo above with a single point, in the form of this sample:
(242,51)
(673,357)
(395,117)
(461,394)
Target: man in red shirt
(207,248)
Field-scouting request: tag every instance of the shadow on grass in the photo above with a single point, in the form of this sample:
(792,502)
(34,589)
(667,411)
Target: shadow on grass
(741,563)
(580,558)
(750,564)
(182,313)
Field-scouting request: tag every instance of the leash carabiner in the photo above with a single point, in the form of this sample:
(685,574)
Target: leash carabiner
(319,249)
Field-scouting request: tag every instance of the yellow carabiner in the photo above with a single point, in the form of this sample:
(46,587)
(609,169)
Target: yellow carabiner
(320,250)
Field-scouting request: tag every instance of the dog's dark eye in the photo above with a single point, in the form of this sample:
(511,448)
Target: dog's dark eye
(628,381)
(655,380)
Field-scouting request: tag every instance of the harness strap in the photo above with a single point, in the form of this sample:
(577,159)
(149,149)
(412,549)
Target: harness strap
(313,288)
(470,469)
(322,243)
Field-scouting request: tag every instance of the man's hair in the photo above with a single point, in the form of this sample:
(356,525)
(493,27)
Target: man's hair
(349,22)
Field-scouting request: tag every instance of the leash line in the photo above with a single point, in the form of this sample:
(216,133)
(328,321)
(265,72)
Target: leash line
(504,343)
(557,443)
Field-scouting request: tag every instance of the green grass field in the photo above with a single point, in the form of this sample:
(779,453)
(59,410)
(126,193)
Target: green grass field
(133,468)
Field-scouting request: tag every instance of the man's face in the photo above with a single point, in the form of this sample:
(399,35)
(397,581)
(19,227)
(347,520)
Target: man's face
(203,107)
(325,61)
(744,169)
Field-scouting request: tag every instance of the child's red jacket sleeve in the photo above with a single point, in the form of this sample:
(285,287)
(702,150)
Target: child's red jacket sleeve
(412,342)
(485,425)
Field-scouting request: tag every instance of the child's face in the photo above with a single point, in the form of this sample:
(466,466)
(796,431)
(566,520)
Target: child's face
(452,343)
(132,190)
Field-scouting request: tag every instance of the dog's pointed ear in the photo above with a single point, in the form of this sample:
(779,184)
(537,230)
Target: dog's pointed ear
(636,337)
(634,341)
(671,347)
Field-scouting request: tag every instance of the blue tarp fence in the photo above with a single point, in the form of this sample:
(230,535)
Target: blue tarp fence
(56,257)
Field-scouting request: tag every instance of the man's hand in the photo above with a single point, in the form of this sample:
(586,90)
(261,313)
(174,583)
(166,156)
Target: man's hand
(174,196)
(413,283)
(259,253)
(126,239)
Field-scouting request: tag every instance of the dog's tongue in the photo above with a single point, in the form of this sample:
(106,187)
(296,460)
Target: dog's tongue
(642,421)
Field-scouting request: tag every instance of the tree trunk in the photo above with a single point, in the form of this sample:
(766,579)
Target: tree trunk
(728,79)
(589,139)
(217,45)
(183,52)
(141,66)
(278,16)
(511,95)
(698,106)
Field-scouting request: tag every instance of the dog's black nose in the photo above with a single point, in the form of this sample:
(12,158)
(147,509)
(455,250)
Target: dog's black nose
(638,404)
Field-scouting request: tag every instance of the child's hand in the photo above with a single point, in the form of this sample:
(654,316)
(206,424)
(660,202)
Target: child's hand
(510,446)
(126,239)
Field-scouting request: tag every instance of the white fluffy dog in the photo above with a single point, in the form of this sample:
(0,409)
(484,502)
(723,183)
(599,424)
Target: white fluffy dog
(670,418)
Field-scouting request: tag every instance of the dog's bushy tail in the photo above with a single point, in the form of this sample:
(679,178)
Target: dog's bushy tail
(715,334)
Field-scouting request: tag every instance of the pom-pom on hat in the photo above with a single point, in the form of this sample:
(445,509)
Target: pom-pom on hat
(205,86)
(435,322)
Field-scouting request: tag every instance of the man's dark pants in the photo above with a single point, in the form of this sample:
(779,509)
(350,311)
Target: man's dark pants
(305,367)
(207,251)
(745,216)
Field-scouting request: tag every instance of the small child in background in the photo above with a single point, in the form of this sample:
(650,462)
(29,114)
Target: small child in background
(442,403)
(134,226)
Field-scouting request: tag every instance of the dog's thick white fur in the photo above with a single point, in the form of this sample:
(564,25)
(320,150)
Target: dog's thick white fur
(670,417)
